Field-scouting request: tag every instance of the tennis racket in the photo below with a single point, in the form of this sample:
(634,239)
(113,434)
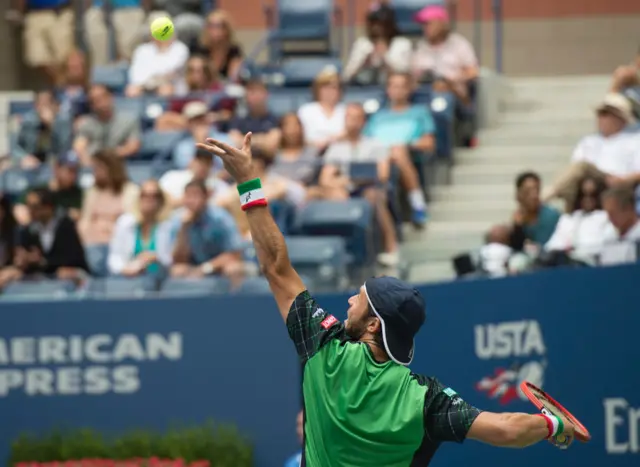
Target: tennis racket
(542,401)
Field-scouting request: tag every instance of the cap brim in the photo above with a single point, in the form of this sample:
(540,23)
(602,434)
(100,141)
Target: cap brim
(615,111)
(399,348)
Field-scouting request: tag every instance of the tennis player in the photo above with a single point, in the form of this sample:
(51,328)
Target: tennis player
(363,407)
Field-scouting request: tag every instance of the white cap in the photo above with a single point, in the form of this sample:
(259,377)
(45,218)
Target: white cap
(618,105)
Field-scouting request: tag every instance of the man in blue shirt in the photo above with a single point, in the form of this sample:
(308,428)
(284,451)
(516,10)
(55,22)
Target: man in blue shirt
(406,129)
(207,241)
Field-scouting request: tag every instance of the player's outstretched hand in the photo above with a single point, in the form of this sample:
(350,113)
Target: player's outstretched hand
(564,440)
(236,161)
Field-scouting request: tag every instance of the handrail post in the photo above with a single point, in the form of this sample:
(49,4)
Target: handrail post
(477,28)
(497,19)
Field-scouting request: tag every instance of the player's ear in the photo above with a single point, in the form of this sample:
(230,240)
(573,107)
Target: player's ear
(374,325)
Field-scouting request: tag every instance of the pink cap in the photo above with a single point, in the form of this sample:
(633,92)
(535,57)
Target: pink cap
(432,13)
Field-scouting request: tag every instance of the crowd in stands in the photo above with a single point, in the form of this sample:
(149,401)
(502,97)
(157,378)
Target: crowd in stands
(598,223)
(184,219)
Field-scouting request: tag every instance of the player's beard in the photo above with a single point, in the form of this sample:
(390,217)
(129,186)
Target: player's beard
(355,330)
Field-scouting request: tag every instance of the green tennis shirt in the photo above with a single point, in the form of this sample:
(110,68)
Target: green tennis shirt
(363,413)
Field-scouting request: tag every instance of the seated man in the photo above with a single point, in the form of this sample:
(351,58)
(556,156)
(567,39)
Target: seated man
(206,238)
(50,244)
(106,128)
(200,169)
(612,155)
(200,128)
(337,183)
(405,128)
(621,237)
(258,120)
(64,187)
(43,133)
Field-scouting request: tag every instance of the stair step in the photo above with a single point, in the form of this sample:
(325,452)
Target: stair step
(432,271)
(494,176)
(479,193)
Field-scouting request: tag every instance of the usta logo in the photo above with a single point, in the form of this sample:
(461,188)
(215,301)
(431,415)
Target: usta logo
(515,341)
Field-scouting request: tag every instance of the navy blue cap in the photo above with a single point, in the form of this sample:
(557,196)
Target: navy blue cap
(69,159)
(401,311)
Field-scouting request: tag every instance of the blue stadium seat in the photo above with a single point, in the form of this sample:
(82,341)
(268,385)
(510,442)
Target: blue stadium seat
(442,106)
(405,11)
(16,180)
(112,76)
(371,97)
(129,105)
(123,287)
(140,172)
(308,20)
(282,102)
(204,286)
(254,286)
(352,220)
(38,290)
(284,214)
(20,107)
(303,70)
(152,108)
(323,259)
(158,145)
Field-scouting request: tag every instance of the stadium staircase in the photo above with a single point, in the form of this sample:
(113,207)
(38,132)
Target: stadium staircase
(543,119)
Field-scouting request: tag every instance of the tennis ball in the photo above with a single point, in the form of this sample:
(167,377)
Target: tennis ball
(162,28)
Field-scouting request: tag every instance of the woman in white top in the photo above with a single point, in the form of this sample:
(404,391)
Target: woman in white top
(323,119)
(381,51)
(581,233)
(142,241)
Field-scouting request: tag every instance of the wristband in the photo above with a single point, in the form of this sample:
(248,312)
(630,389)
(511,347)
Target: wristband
(549,424)
(557,425)
(251,194)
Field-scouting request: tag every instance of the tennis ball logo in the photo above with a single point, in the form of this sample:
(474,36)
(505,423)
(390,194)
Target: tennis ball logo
(162,29)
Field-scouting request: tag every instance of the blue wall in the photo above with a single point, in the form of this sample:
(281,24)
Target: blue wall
(114,365)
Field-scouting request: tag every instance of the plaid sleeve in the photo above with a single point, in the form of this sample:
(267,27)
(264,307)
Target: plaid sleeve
(310,327)
(447,416)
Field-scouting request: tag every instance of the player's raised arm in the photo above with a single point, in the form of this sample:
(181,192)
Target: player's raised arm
(269,243)
(519,430)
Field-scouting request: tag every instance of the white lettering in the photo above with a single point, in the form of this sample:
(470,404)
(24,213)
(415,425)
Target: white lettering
(75,349)
(68,381)
(4,354)
(39,381)
(10,379)
(511,339)
(51,349)
(126,379)
(93,348)
(160,347)
(97,379)
(616,413)
(128,346)
(23,350)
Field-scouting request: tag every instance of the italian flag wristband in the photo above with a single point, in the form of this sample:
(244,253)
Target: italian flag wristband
(251,194)
(554,424)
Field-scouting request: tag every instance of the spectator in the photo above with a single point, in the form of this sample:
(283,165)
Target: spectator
(619,203)
(141,242)
(258,120)
(174,182)
(444,53)
(612,155)
(407,129)
(187,17)
(157,67)
(50,244)
(381,51)
(581,232)
(295,159)
(199,85)
(73,84)
(127,17)
(9,235)
(622,237)
(627,76)
(111,196)
(219,46)
(296,459)
(196,115)
(44,132)
(323,119)
(206,237)
(533,221)
(67,194)
(48,32)
(275,187)
(106,128)
(336,179)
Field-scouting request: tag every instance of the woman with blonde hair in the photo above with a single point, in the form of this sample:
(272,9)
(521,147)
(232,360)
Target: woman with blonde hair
(218,44)
(141,242)
(323,119)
